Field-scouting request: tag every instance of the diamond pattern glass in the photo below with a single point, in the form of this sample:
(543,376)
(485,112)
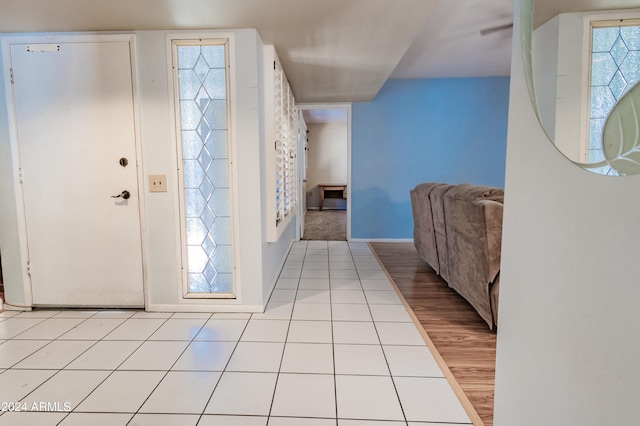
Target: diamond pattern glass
(615,68)
(203,117)
(619,51)
(191,145)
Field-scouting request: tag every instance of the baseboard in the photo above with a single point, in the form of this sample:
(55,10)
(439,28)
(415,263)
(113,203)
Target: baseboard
(381,240)
(325,208)
(8,307)
(174,307)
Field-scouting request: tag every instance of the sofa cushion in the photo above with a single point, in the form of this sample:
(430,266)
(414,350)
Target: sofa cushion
(424,237)
(439,227)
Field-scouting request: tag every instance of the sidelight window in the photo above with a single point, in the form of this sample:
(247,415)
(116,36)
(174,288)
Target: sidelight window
(201,85)
(615,68)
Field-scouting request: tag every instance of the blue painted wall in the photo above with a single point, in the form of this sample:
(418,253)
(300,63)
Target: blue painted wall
(423,130)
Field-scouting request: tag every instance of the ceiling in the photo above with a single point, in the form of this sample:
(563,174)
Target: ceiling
(331,50)
(450,44)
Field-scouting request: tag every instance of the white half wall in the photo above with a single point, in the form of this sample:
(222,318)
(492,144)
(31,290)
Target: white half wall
(567,352)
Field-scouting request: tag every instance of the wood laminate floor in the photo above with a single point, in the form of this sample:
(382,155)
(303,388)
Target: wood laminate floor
(461,337)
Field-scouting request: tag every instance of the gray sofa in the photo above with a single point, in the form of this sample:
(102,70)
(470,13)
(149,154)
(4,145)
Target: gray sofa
(458,232)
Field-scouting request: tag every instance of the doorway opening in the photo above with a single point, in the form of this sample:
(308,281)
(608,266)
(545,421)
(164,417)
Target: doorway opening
(326,184)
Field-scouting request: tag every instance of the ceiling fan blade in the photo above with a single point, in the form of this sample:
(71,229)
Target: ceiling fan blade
(491,30)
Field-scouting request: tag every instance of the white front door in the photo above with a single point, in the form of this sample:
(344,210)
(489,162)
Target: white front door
(74,115)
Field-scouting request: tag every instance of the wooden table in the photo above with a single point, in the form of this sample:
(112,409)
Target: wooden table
(332,191)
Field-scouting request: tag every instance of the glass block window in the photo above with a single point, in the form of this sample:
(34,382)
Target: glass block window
(615,68)
(201,68)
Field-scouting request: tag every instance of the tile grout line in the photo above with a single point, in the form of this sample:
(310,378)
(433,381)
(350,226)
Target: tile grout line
(204,408)
(116,368)
(42,321)
(353,253)
(50,342)
(286,338)
(58,371)
(395,388)
(166,373)
(142,342)
(333,341)
(448,375)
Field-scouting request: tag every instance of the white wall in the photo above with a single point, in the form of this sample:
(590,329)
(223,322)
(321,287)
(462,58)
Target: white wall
(544,48)
(255,262)
(572,80)
(164,273)
(327,158)
(559,78)
(567,352)
(558,56)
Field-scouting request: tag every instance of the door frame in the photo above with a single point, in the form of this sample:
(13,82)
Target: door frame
(342,106)
(50,38)
(301,175)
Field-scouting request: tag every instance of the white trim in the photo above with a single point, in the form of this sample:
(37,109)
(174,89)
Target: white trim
(585,106)
(175,165)
(301,168)
(177,307)
(141,182)
(7,307)
(612,15)
(348,107)
(15,160)
(381,240)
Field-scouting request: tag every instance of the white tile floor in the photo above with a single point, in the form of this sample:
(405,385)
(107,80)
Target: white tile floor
(334,347)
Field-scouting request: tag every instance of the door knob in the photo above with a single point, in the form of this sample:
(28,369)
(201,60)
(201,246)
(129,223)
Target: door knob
(124,194)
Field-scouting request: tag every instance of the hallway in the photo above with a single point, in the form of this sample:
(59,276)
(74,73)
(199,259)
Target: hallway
(326,225)
(334,347)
